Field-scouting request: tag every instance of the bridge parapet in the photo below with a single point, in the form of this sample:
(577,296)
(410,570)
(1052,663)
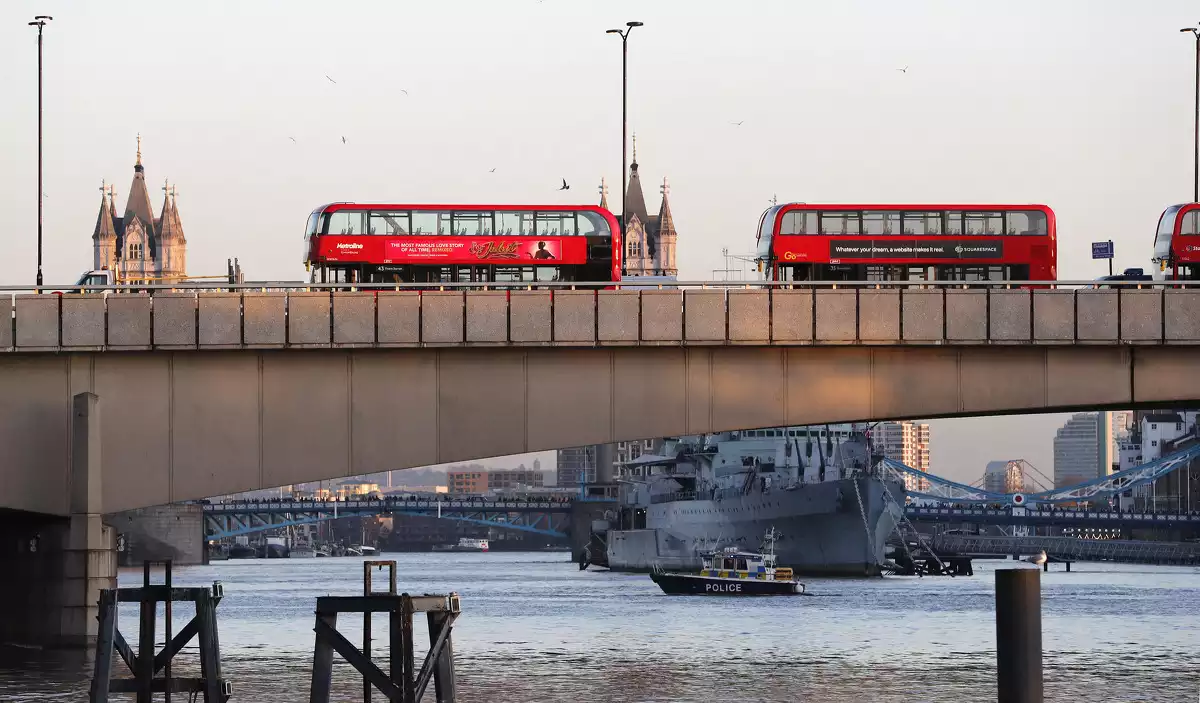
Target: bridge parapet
(874,313)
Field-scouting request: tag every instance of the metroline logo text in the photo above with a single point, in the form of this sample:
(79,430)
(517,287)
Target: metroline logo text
(349,245)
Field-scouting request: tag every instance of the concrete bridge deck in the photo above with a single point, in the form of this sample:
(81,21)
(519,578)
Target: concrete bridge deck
(213,393)
(871,313)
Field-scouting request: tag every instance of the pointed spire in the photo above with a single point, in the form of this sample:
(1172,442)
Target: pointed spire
(635,202)
(666,224)
(603,193)
(138,205)
(104,223)
(165,216)
(176,220)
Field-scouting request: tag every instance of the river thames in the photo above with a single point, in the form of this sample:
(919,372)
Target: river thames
(534,628)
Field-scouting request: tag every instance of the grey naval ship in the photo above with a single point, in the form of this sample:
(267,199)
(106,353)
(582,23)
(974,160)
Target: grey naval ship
(817,488)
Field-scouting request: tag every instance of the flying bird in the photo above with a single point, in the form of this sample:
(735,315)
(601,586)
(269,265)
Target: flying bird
(330,79)
(903,70)
(492,171)
(293,140)
(737,124)
(343,140)
(404,91)
(565,186)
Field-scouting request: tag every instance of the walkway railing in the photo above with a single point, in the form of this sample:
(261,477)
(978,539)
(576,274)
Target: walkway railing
(283,315)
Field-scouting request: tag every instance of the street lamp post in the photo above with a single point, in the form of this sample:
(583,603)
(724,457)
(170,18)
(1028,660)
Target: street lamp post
(1196,123)
(40,21)
(624,111)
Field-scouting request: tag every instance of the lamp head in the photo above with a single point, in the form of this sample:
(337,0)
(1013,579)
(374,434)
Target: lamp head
(612,31)
(633,24)
(42,17)
(1193,30)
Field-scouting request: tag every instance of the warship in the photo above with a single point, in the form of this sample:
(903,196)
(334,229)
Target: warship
(820,489)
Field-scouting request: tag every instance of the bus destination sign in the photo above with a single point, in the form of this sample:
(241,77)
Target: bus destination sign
(916,249)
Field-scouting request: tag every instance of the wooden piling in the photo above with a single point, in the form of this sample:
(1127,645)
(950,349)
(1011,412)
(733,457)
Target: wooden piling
(403,683)
(146,664)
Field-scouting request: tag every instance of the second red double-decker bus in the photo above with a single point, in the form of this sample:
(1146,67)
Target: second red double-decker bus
(1177,242)
(840,242)
(411,243)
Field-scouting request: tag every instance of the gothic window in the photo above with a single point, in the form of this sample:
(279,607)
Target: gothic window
(135,250)
(635,247)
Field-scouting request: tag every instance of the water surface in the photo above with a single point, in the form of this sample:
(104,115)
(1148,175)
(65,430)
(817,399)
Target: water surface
(534,628)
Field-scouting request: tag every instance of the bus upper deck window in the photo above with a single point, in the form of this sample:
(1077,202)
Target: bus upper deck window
(346,222)
(592,224)
(1190,223)
(922,223)
(1026,222)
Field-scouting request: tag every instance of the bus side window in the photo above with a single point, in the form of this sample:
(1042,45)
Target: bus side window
(346,222)
(1191,223)
(1026,222)
(591,224)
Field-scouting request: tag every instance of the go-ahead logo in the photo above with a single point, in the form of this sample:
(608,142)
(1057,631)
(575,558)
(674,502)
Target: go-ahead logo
(958,249)
(349,245)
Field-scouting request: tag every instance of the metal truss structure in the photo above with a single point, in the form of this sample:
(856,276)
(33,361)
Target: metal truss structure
(944,490)
(549,518)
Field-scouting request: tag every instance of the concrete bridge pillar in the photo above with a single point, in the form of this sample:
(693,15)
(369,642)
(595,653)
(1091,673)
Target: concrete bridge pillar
(54,567)
(90,557)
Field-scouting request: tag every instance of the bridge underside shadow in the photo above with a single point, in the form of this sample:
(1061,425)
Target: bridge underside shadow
(188,424)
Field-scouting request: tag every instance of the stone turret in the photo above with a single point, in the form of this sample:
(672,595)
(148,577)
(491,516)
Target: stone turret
(104,236)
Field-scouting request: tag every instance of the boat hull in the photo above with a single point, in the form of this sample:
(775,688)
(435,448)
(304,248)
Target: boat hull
(692,585)
(823,529)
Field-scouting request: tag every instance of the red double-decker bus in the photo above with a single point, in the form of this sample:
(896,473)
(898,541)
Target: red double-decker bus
(359,243)
(1177,242)
(813,242)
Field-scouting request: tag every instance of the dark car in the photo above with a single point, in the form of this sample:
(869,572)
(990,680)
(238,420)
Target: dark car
(1132,275)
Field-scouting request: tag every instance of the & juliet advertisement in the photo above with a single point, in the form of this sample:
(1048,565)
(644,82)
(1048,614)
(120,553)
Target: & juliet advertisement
(455,250)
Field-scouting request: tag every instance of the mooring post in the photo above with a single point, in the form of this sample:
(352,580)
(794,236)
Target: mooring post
(102,673)
(147,626)
(1019,635)
(408,685)
(367,630)
(322,674)
(443,672)
(167,629)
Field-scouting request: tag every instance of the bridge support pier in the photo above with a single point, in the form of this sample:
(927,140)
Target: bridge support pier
(55,568)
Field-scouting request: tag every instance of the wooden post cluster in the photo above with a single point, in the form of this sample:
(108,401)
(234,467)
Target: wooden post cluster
(403,683)
(148,662)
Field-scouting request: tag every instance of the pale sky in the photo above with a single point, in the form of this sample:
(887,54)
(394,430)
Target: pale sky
(1082,105)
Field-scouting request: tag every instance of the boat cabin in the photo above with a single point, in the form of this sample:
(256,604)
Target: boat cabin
(731,563)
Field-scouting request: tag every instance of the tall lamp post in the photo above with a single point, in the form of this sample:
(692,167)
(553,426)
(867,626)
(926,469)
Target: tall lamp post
(40,21)
(1196,129)
(624,34)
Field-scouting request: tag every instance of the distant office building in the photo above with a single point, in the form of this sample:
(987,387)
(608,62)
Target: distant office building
(1083,449)
(1123,426)
(907,443)
(576,466)
(1004,476)
(469,481)
(502,479)
(1157,431)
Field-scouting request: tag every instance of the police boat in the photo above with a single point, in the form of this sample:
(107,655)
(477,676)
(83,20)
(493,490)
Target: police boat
(731,572)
